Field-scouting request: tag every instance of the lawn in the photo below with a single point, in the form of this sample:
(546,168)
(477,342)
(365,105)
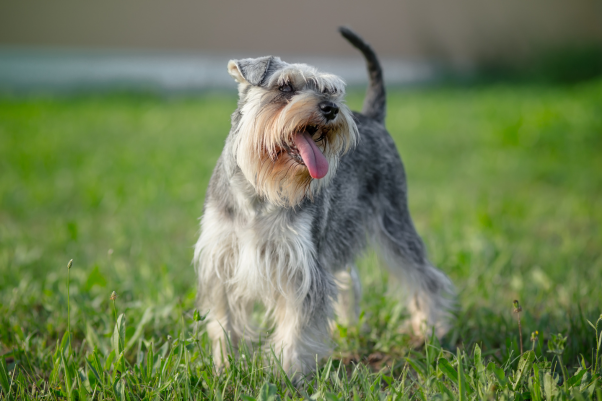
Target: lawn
(505,186)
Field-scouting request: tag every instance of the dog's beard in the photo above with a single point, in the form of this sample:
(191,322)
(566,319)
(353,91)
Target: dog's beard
(267,153)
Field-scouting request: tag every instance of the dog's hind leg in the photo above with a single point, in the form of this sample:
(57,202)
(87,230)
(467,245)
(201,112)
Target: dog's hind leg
(347,306)
(429,292)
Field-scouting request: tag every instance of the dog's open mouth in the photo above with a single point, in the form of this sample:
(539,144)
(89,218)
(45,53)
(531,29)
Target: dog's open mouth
(304,151)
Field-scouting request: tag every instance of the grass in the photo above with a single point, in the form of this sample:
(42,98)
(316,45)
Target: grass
(505,187)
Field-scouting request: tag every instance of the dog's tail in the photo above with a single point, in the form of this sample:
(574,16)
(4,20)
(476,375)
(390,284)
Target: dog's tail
(375,101)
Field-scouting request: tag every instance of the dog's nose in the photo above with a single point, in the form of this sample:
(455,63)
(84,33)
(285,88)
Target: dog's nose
(329,110)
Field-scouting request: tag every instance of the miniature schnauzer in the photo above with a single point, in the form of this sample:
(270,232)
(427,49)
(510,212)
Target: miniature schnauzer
(303,184)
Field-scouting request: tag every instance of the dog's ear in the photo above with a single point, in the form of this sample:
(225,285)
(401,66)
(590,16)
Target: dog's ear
(252,70)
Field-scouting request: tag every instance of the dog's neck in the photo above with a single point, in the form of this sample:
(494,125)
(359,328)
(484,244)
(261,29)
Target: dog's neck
(240,192)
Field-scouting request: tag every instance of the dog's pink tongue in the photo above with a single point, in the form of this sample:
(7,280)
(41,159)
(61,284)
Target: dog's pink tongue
(312,156)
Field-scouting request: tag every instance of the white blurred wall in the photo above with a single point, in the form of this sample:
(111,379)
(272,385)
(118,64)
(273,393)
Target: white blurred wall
(459,32)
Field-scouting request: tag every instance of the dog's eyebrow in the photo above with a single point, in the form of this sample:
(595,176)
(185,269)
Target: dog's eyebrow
(303,76)
(283,79)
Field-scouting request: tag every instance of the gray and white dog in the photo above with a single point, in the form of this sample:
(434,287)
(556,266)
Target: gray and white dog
(303,184)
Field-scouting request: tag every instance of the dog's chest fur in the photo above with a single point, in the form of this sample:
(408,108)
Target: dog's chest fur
(265,250)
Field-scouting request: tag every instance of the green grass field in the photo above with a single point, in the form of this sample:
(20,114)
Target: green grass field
(505,188)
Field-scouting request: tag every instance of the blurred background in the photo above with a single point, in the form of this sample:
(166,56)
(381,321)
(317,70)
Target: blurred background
(185,44)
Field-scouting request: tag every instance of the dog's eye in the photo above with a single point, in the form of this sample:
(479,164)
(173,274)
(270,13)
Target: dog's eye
(286,88)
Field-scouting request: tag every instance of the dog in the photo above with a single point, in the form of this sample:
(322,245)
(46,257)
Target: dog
(302,187)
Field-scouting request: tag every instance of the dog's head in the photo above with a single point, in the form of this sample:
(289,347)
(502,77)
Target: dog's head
(290,129)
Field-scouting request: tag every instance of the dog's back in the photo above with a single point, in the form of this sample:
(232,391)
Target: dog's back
(369,194)
(370,179)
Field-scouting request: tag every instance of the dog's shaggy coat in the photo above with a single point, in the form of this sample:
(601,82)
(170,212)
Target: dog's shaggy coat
(273,232)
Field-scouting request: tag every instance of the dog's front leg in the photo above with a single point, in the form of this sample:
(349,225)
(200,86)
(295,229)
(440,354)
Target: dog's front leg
(302,332)
(220,328)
